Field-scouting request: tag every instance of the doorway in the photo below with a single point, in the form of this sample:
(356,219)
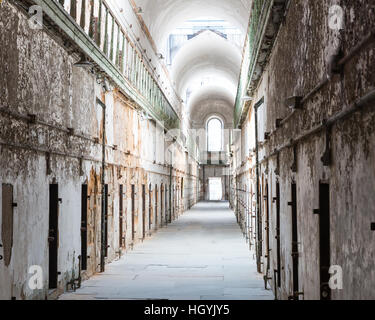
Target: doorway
(293,204)
(133,210)
(215,188)
(53,235)
(84,199)
(324,241)
(121,216)
(143,211)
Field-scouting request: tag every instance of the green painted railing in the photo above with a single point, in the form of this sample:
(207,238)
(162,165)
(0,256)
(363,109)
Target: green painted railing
(258,21)
(95,27)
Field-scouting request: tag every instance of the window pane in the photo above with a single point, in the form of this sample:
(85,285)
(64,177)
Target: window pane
(214,135)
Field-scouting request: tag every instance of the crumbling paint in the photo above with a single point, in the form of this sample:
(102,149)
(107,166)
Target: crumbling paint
(40,78)
(306,37)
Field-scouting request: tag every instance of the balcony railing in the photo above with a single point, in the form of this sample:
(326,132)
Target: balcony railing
(259,18)
(94,27)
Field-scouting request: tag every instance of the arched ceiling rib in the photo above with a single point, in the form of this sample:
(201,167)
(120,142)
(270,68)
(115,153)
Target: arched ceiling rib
(163,16)
(208,65)
(211,99)
(206,56)
(216,91)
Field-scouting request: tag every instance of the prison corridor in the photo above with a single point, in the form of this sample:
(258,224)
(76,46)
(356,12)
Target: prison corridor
(201,256)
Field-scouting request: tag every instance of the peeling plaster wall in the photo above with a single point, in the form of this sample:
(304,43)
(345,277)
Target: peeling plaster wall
(37,77)
(299,61)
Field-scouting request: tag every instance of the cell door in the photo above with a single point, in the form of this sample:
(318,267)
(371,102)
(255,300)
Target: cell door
(278,240)
(133,211)
(106,220)
(84,198)
(53,235)
(143,211)
(161,204)
(121,216)
(156,206)
(6,239)
(149,208)
(295,253)
(324,241)
(267,218)
(7,224)
(166,204)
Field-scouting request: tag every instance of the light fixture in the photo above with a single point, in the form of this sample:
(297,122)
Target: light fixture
(83,63)
(160,56)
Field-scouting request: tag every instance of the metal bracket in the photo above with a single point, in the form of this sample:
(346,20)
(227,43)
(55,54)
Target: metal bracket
(327,158)
(278,123)
(316,211)
(335,68)
(48,163)
(294,102)
(266,278)
(295,254)
(277,170)
(295,295)
(32,118)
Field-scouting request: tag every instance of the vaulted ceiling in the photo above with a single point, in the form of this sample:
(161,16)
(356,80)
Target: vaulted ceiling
(206,56)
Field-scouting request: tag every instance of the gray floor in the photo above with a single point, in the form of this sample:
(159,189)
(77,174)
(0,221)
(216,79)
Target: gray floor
(202,256)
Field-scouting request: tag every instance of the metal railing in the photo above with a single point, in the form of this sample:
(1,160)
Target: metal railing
(109,35)
(258,21)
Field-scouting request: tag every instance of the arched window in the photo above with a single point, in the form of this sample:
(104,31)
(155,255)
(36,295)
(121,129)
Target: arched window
(214,135)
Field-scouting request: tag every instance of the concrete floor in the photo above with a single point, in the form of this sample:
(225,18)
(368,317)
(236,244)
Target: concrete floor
(202,256)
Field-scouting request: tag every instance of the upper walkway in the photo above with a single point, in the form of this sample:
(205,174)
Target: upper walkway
(201,256)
